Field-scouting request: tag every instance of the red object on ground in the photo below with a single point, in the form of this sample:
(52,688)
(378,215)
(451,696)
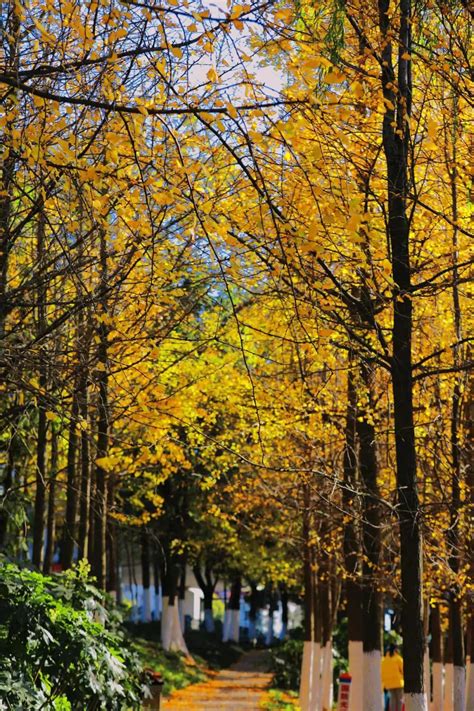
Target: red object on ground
(344,692)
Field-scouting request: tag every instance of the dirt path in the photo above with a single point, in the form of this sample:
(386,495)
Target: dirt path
(239,688)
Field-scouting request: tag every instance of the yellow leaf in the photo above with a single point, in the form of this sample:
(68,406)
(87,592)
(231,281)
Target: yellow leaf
(50,416)
(177,51)
(232,111)
(212,75)
(334,77)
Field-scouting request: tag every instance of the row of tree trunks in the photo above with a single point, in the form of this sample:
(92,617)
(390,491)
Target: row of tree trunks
(87,527)
(321,601)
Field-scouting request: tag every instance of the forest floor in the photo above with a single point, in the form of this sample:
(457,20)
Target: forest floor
(242,687)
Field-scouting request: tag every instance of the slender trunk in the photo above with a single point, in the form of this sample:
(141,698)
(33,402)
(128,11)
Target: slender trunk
(306,691)
(470,670)
(157,585)
(396,141)
(99,561)
(171,632)
(113,582)
(207,585)
(317,658)
(448,695)
(284,611)
(9,159)
(182,594)
(234,609)
(454,537)
(85,492)
(371,597)
(271,613)
(326,624)
(352,550)
(7,484)
(40,493)
(69,530)
(469,452)
(436,658)
(51,520)
(146,580)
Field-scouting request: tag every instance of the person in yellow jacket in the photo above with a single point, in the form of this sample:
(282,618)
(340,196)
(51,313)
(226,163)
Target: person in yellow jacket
(392,677)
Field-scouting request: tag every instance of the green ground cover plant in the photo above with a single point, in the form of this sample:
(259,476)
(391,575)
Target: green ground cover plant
(61,647)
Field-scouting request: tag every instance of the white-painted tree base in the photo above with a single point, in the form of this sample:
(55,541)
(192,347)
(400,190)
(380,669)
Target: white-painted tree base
(316,689)
(373,693)
(269,635)
(209,625)
(437,704)
(157,606)
(310,684)
(416,702)
(459,688)
(470,685)
(171,634)
(234,635)
(146,607)
(252,630)
(305,679)
(181,614)
(356,670)
(226,626)
(427,675)
(326,683)
(448,693)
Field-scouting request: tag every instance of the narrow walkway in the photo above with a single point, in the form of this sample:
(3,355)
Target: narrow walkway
(239,688)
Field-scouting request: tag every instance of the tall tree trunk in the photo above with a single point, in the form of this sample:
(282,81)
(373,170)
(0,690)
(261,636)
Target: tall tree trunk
(51,519)
(182,594)
(70,524)
(352,549)
(234,610)
(307,687)
(436,658)
(85,488)
(40,492)
(7,484)
(207,585)
(171,632)
(469,454)
(448,672)
(396,141)
(99,565)
(454,536)
(371,597)
(113,581)
(326,608)
(284,598)
(11,32)
(146,578)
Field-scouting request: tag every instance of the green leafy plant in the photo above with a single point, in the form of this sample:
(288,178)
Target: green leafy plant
(286,664)
(60,647)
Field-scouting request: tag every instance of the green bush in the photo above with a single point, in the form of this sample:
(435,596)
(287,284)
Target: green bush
(286,664)
(60,648)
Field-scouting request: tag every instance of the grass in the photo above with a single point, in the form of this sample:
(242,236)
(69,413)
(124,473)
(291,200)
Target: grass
(177,671)
(278,700)
(208,652)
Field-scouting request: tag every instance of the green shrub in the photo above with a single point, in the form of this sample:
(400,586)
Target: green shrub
(60,648)
(286,664)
